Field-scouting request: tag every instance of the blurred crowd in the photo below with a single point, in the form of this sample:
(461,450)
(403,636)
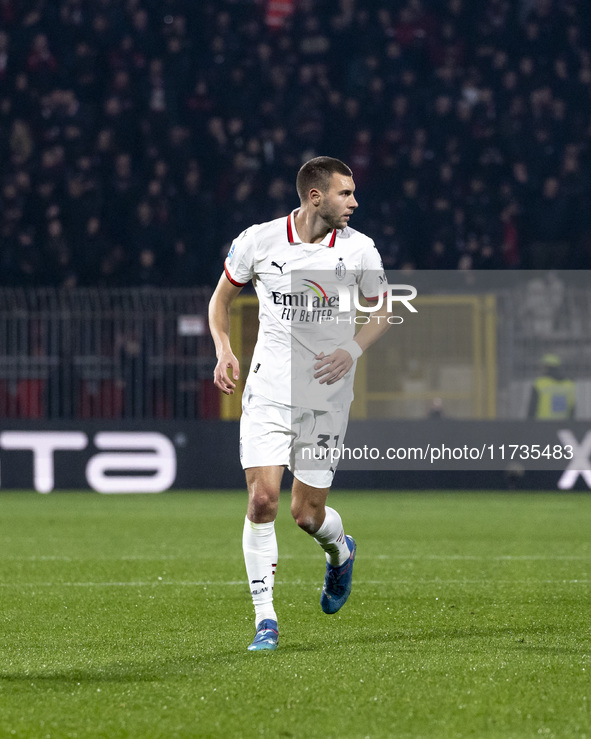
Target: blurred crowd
(138,137)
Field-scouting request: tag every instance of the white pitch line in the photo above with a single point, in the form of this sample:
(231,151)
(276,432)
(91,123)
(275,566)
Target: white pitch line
(137,584)
(94,558)
(226,583)
(393,557)
(484,558)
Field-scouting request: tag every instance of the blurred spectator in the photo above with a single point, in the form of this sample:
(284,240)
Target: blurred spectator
(144,271)
(90,250)
(184,268)
(552,228)
(137,138)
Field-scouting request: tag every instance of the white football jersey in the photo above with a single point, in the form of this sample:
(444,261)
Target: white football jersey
(300,317)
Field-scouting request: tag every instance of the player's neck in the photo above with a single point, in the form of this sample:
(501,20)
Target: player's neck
(311,228)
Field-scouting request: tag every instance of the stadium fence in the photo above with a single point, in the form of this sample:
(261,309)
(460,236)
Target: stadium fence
(146,354)
(106,354)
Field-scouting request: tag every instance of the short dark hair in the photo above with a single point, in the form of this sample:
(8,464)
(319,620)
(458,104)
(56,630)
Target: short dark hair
(317,173)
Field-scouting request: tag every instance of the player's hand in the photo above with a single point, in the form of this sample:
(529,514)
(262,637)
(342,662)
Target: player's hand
(221,377)
(331,368)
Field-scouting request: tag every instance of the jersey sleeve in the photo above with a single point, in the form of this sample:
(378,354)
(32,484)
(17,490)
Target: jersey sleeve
(372,280)
(239,264)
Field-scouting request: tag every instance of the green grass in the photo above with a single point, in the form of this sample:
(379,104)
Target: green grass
(129,617)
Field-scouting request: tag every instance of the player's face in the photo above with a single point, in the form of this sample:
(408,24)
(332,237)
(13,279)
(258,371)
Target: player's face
(338,202)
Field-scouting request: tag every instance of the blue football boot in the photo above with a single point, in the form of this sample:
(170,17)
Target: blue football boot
(337,582)
(266,637)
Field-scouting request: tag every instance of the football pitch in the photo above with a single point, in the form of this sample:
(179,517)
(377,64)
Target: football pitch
(129,616)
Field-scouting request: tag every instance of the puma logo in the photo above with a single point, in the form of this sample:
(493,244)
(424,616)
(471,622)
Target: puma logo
(279,267)
(252,582)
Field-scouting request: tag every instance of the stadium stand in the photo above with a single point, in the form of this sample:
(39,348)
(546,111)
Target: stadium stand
(138,137)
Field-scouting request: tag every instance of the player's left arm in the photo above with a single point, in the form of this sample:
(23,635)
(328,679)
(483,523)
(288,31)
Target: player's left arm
(332,367)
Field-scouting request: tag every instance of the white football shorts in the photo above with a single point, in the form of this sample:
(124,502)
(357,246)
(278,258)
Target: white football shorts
(300,439)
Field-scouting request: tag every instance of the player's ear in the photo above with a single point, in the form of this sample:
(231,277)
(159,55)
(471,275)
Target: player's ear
(315,195)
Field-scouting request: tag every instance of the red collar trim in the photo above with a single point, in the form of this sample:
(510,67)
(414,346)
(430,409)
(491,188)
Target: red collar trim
(291,231)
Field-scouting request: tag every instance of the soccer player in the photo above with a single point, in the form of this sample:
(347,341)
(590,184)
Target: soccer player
(295,403)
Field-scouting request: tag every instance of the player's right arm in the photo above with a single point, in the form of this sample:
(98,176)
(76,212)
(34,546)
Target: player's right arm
(219,325)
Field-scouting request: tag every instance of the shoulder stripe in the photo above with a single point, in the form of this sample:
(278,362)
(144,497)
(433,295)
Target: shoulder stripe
(238,284)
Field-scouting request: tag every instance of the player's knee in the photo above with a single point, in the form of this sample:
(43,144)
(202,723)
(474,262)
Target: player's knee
(306,518)
(262,505)
(306,523)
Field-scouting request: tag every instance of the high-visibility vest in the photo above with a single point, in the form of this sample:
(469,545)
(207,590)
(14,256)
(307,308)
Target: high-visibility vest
(556,398)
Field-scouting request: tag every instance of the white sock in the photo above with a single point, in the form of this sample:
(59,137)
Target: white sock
(259,545)
(331,538)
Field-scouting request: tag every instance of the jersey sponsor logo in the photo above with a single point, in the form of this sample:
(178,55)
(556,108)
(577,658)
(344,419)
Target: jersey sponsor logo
(316,288)
(231,252)
(303,300)
(303,307)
